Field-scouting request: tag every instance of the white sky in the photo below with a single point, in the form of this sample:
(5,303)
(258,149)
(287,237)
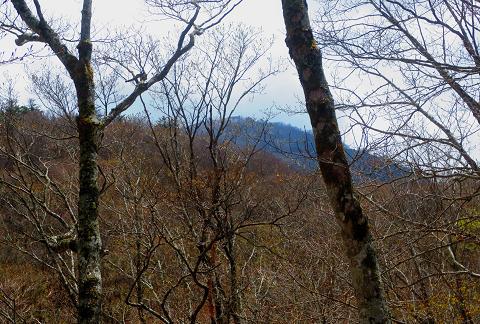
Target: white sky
(282,90)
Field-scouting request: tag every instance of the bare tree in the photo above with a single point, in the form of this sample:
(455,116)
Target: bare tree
(209,201)
(420,110)
(421,58)
(33,26)
(333,164)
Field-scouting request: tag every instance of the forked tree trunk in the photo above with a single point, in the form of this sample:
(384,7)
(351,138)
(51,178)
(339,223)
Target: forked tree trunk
(88,242)
(333,164)
(89,130)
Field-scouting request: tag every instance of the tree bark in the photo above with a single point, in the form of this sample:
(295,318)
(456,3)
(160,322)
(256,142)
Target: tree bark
(333,164)
(89,242)
(89,130)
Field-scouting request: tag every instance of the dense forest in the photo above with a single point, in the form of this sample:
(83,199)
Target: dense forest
(185,212)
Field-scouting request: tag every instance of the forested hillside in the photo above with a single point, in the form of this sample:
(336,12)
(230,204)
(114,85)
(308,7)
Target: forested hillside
(174,225)
(296,147)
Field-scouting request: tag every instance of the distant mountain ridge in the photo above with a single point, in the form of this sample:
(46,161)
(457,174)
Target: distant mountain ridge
(296,147)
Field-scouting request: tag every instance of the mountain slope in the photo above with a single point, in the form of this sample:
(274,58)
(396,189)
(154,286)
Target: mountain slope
(296,147)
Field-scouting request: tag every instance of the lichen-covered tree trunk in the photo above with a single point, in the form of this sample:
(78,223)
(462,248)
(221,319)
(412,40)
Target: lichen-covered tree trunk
(89,243)
(333,164)
(89,129)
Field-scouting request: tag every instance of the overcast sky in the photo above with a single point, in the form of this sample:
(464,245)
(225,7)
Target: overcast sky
(282,90)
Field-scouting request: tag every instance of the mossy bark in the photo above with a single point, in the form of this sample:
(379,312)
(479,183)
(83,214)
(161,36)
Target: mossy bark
(89,242)
(333,164)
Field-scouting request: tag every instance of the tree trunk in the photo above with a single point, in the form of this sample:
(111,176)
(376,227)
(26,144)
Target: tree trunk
(333,164)
(89,242)
(89,130)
